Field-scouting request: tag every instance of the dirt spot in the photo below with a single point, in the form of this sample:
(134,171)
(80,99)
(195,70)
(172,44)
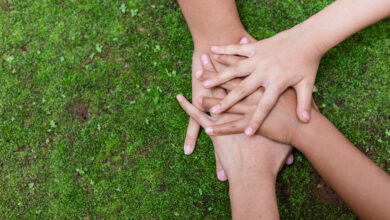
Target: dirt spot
(24,48)
(80,112)
(204,205)
(340,103)
(162,187)
(324,191)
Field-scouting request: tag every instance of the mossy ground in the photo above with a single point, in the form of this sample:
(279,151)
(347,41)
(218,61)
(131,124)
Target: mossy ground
(89,126)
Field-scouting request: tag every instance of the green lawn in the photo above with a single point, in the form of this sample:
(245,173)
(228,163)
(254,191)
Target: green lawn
(90,128)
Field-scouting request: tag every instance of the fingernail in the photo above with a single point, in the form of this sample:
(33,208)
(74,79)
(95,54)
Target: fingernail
(249,131)
(244,40)
(187,149)
(215,49)
(200,100)
(205,59)
(216,56)
(215,109)
(198,74)
(222,175)
(209,130)
(290,159)
(179,98)
(207,83)
(306,115)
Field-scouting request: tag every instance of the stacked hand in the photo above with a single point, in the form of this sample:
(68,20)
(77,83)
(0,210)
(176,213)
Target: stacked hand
(274,64)
(232,150)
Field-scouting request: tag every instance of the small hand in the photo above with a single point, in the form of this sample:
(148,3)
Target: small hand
(275,64)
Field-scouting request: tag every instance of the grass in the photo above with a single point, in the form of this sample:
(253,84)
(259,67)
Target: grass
(89,127)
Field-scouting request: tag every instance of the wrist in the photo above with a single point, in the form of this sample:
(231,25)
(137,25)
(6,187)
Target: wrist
(224,36)
(301,138)
(307,42)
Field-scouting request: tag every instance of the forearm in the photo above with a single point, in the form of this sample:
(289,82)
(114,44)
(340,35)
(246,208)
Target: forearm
(363,186)
(341,19)
(253,197)
(212,22)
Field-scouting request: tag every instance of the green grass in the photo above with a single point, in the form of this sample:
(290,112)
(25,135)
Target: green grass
(89,126)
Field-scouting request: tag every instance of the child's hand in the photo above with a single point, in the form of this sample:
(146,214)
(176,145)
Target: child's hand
(285,60)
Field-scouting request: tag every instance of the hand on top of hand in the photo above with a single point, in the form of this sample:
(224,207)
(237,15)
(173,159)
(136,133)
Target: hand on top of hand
(280,124)
(275,64)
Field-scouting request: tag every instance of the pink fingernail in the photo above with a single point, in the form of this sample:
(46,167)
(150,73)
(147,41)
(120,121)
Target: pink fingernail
(222,175)
(179,98)
(306,115)
(198,74)
(187,149)
(215,49)
(249,131)
(207,83)
(205,59)
(216,56)
(215,109)
(290,159)
(244,40)
(200,100)
(209,130)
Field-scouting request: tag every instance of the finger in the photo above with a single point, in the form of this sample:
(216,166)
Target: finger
(304,97)
(205,74)
(315,89)
(230,85)
(239,108)
(240,69)
(290,159)
(191,136)
(206,62)
(246,50)
(232,127)
(199,116)
(220,171)
(227,60)
(267,102)
(246,87)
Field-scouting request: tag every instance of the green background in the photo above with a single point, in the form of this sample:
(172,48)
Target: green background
(90,128)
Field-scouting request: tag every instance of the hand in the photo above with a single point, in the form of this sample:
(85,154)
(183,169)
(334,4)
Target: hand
(228,154)
(198,91)
(276,63)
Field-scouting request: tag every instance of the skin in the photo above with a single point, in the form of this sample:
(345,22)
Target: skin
(249,162)
(210,22)
(363,186)
(291,58)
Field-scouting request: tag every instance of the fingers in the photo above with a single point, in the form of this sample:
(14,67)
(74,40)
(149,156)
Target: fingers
(191,136)
(233,127)
(239,108)
(290,159)
(304,97)
(192,111)
(220,171)
(246,50)
(266,103)
(246,87)
(242,68)
(227,60)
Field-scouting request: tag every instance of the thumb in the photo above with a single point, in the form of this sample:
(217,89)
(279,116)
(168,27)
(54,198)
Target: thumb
(304,96)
